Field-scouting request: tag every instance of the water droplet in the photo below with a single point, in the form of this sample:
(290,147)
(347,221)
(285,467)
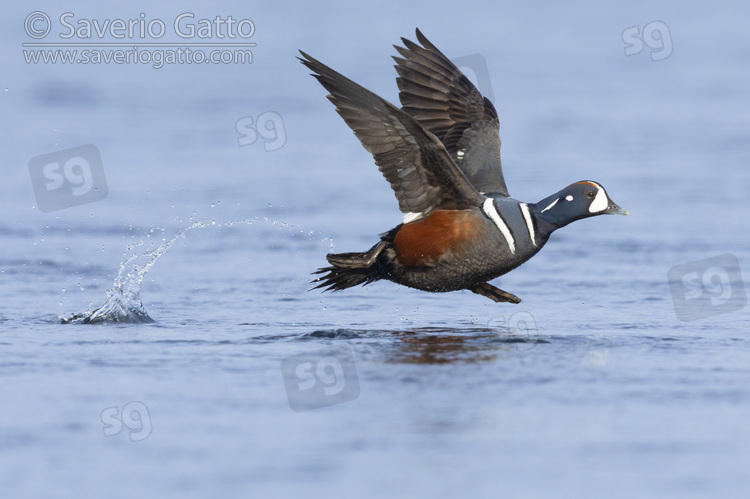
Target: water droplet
(213,205)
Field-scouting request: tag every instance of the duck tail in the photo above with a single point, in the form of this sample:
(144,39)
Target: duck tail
(349,269)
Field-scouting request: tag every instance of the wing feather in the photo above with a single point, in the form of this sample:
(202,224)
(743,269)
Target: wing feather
(443,100)
(420,170)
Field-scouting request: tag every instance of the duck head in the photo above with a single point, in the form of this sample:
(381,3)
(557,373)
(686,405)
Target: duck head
(579,200)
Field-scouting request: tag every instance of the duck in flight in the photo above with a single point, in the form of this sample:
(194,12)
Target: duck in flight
(441,154)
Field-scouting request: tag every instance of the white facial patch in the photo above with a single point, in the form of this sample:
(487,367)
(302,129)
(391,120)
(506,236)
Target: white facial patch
(491,211)
(553,203)
(600,202)
(568,198)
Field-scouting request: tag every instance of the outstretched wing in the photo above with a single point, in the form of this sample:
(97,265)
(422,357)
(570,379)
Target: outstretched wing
(419,169)
(440,97)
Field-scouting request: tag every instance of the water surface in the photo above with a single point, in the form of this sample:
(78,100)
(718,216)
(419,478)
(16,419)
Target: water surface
(603,392)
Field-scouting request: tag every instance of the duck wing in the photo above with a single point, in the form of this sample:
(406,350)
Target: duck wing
(443,100)
(416,164)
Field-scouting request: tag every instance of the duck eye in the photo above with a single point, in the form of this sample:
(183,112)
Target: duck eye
(590,194)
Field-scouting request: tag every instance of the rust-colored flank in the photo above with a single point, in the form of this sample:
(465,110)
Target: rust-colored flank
(423,242)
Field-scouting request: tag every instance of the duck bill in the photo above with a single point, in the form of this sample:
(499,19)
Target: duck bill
(613,209)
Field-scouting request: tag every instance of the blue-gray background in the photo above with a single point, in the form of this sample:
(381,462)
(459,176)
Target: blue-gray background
(618,397)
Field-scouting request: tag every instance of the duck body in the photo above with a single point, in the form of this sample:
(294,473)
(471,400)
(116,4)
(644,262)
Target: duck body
(452,250)
(441,154)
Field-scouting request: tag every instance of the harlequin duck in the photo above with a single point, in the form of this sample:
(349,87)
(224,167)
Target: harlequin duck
(441,155)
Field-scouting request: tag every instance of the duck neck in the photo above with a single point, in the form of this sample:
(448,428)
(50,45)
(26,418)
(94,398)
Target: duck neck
(548,216)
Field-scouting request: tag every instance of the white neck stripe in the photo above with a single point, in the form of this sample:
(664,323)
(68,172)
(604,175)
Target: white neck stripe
(491,211)
(529,222)
(553,203)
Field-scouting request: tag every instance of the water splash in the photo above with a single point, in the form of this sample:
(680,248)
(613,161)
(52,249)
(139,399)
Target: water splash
(123,303)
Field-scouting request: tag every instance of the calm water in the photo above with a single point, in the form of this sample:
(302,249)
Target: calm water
(592,386)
